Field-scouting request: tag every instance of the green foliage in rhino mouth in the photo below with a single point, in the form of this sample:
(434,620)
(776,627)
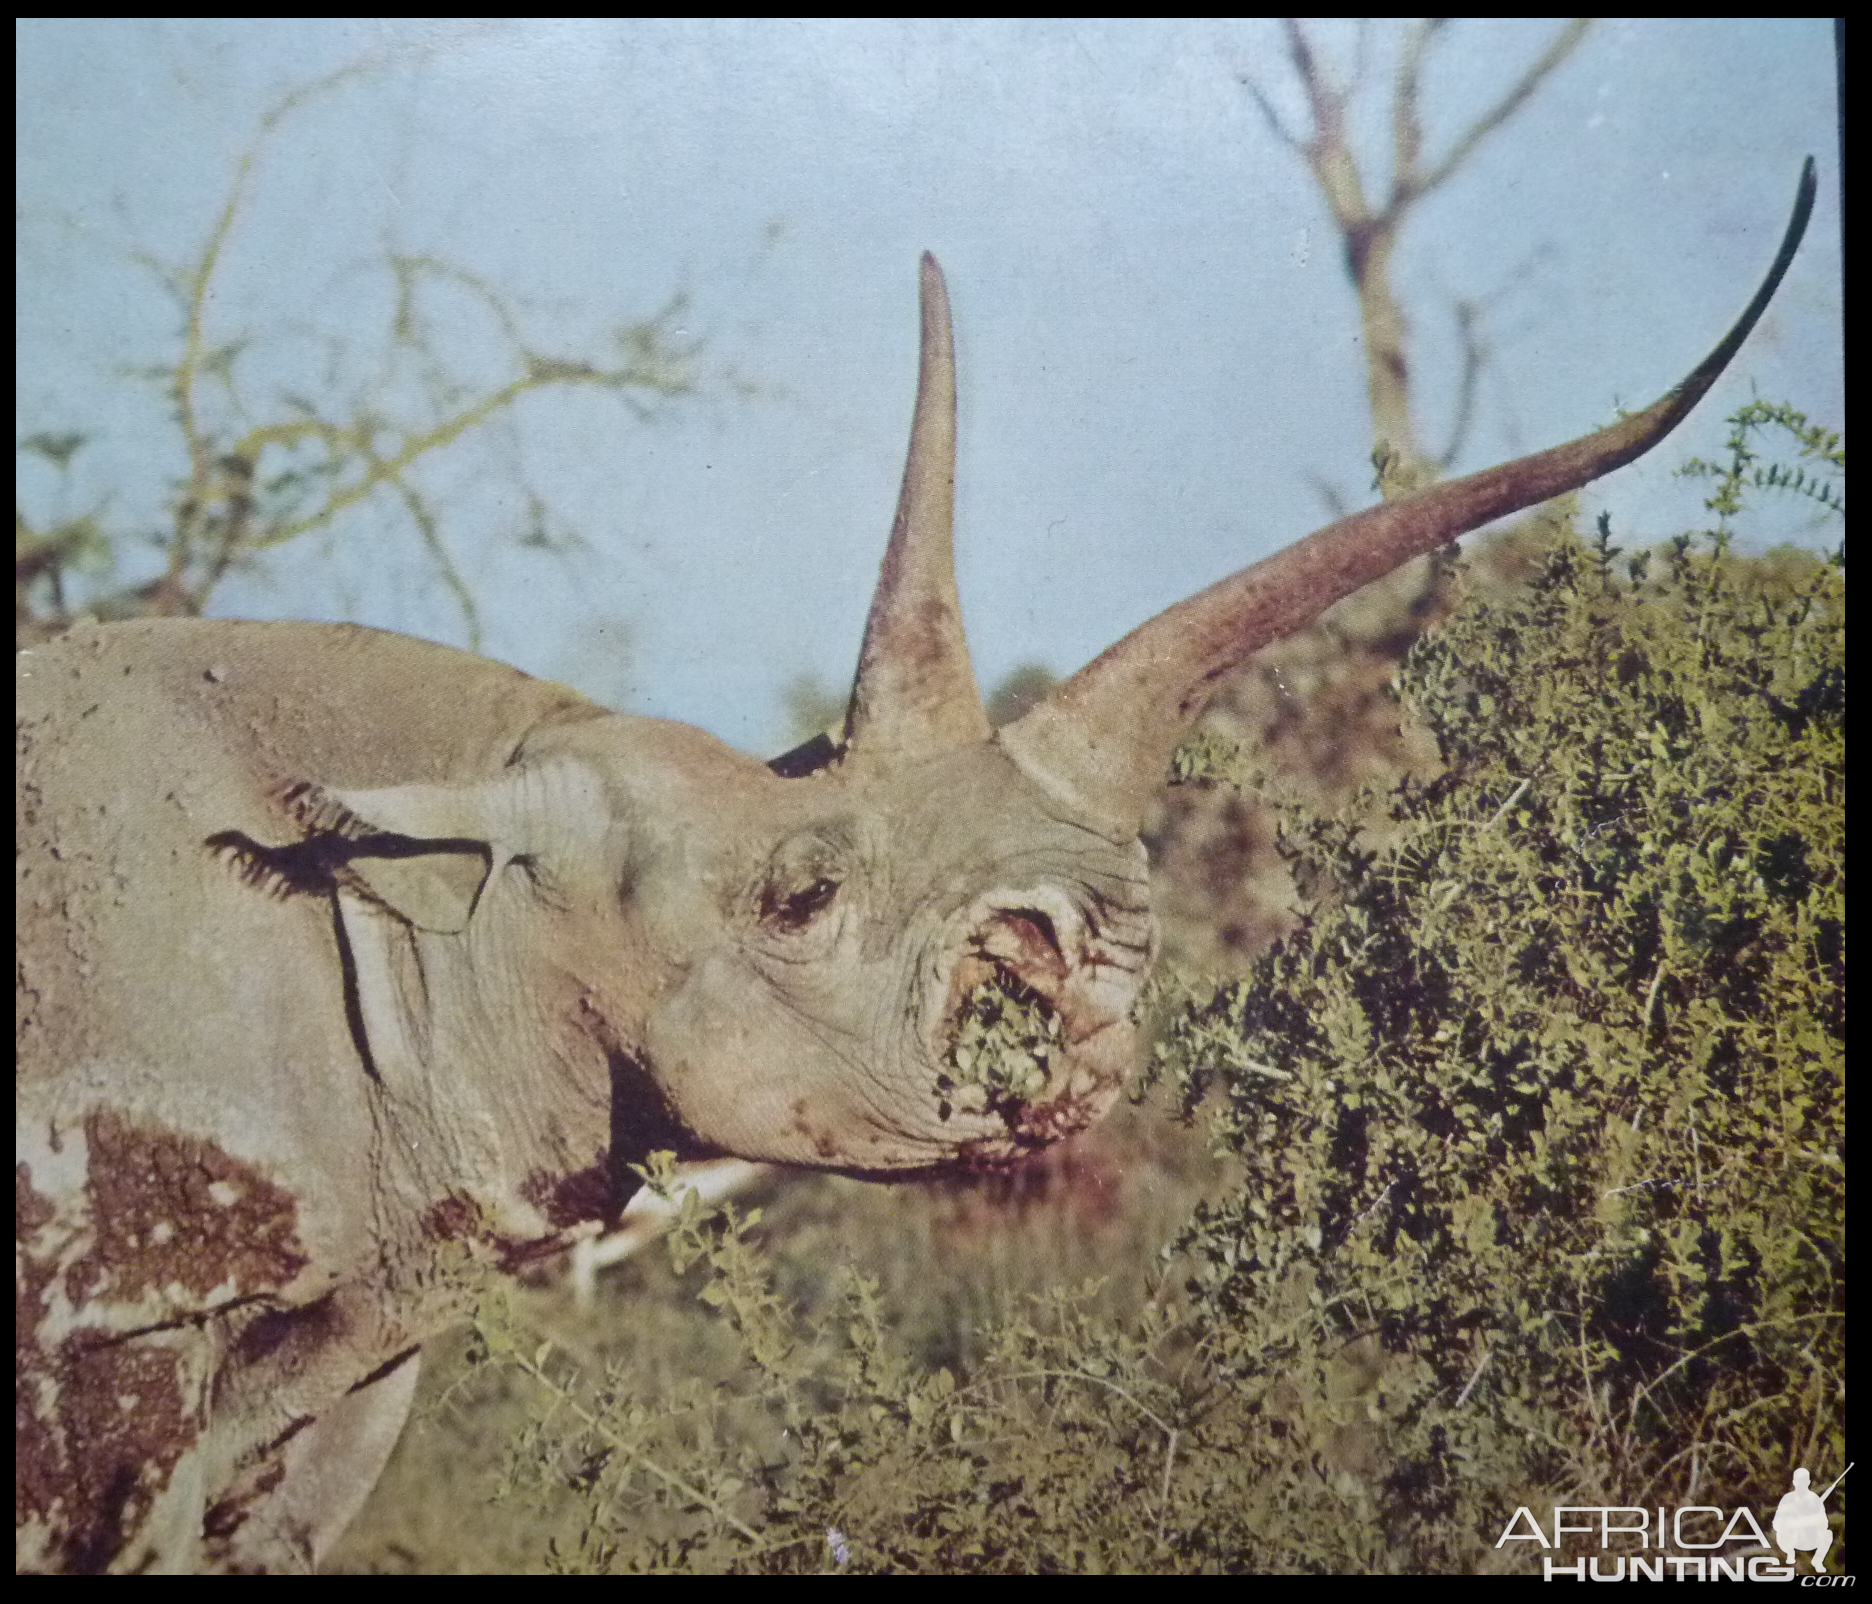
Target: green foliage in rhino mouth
(1005,1040)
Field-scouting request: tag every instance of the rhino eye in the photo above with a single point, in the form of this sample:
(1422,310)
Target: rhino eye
(794,909)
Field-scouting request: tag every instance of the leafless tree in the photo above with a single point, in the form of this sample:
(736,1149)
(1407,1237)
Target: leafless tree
(256,473)
(1369,227)
(1313,716)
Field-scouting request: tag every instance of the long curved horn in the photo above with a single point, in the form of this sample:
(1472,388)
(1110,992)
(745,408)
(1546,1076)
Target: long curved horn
(1102,740)
(915,693)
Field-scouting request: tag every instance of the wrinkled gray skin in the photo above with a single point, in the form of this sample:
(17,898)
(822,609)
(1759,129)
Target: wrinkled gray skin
(350,965)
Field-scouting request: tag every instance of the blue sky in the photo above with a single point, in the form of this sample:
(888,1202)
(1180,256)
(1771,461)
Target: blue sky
(1159,346)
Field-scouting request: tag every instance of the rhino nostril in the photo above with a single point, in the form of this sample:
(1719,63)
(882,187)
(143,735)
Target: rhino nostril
(1038,929)
(1027,941)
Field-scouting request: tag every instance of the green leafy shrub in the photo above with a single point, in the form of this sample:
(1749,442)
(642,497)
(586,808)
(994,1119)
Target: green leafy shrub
(1547,1108)
(1539,1124)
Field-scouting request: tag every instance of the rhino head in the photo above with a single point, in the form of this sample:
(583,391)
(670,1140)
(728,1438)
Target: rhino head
(919,941)
(909,946)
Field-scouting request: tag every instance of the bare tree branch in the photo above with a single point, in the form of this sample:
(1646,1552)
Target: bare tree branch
(1564,44)
(1406,124)
(1475,354)
(255,479)
(1370,235)
(1290,140)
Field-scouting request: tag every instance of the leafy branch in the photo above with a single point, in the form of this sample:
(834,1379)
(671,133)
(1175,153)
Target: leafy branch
(1743,471)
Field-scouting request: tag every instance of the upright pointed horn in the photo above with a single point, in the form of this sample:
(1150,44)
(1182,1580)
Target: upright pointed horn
(915,693)
(1102,740)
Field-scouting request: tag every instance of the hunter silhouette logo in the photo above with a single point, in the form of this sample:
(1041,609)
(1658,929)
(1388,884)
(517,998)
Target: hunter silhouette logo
(1800,1521)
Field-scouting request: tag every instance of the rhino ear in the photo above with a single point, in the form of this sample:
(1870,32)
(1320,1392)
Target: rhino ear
(418,850)
(425,852)
(431,885)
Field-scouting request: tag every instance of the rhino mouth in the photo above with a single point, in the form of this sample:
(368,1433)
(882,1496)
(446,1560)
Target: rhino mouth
(1024,1050)
(1003,1039)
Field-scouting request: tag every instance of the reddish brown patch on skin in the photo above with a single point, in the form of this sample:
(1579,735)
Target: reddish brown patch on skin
(126,1424)
(568,1200)
(454,1219)
(102,1420)
(40,1473)
(169,1210)
(30,1209)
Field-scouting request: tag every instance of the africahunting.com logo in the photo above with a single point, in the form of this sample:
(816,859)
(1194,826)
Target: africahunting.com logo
(1688,1543)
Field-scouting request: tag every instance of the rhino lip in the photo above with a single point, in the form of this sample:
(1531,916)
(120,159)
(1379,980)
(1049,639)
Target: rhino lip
(1015,1037)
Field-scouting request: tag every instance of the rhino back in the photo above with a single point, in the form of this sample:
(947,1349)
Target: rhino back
(356,706)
